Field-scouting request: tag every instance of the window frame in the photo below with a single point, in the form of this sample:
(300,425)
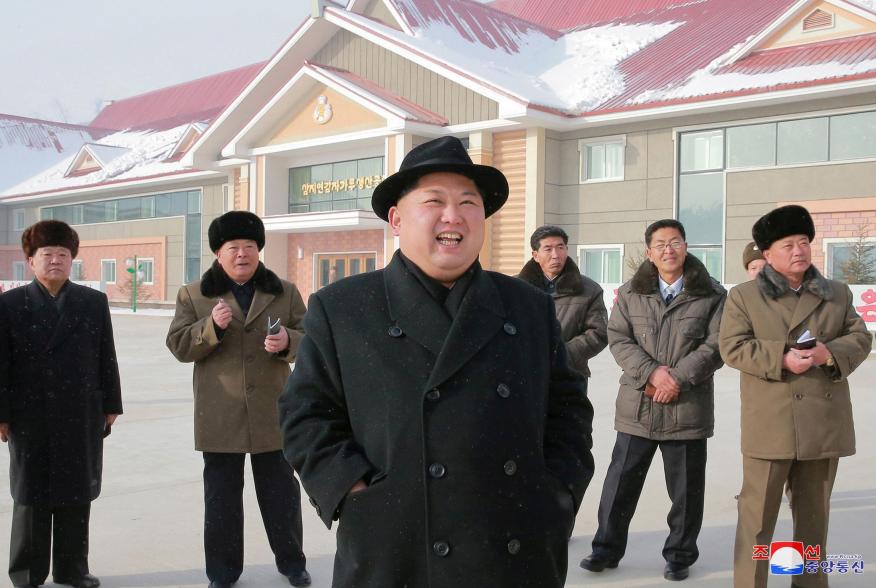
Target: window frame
(19,213)
(115,271)
(15,266)
(583,145)
(151,261)
(331,254)
(827,242)
(603,247)
(76,263)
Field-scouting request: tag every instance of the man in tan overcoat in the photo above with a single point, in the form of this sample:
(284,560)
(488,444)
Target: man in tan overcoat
(796,409)
(221,324)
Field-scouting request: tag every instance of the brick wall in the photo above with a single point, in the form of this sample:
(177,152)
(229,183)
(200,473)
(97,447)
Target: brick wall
(301,271)
(846,224)
(91,256)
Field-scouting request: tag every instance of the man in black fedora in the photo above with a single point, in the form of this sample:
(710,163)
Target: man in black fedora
(432,409)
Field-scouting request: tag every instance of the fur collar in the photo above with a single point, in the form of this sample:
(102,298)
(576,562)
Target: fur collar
(697,281)
(569,282)
(214,282)
(774,285)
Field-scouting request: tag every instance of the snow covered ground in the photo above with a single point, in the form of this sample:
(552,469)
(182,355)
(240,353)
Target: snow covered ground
(146,527)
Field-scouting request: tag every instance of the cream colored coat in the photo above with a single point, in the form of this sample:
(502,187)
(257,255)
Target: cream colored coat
(236,382)
(788,416)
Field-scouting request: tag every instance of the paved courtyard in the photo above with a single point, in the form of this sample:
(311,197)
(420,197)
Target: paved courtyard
(146,526)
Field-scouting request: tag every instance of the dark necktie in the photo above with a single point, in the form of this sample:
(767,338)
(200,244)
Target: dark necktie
(669,297)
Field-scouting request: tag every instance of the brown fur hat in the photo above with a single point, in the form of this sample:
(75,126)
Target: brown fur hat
(49,233)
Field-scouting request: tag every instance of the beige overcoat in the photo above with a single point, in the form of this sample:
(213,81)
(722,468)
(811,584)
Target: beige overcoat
(788,416)
(236,382)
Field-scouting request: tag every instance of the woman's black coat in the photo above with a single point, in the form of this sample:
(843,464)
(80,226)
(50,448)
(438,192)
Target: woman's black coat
(473,434)
(57,384)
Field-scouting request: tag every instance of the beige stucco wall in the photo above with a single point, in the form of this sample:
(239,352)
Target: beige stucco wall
(405,78)
(619,212)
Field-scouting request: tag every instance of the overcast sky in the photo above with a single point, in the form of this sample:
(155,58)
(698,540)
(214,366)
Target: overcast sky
(59,59)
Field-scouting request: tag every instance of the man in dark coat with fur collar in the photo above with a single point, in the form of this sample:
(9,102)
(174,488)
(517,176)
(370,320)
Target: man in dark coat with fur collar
(221,324)
(796,407)
(432,409)
(663,333)
(580,307)
(59,396)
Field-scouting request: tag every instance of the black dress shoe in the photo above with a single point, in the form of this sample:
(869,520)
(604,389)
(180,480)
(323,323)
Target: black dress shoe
(597,563)
(86,581)
(676,572)
(221,584)
(301,578)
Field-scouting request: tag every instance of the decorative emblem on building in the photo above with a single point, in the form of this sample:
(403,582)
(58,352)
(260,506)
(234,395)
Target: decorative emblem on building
(322,113)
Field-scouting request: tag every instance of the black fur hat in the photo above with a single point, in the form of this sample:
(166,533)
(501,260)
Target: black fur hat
(236,224)
(780,223)
(49,233)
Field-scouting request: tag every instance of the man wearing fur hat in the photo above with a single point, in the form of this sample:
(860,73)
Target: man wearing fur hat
(241,325)
(59,396)
(795,338)
(432,409)
(580,308)
(663,333)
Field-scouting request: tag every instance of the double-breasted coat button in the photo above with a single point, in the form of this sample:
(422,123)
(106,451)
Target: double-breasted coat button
(798,396)
(510,467)
(510,328)
(503,390)
(437,470)
(433,394)
(513,546)
(395,331)
(441,548)
(828,395)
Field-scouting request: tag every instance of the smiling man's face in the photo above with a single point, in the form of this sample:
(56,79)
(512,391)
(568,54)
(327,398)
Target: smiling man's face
(440,225)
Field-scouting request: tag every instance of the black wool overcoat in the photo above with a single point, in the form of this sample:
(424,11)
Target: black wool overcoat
(473,434)
(57,384)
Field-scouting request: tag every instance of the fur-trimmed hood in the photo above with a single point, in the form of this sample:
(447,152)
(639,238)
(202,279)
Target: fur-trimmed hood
(214,282)
(697,281)
(568,283)
(774,285)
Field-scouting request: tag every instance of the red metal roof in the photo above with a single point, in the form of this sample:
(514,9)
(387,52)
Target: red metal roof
(413,111)
(711,29)
(568,14)
(197,100)
(478,23)
(847,51)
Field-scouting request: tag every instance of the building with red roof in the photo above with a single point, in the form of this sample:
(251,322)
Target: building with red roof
(604,115)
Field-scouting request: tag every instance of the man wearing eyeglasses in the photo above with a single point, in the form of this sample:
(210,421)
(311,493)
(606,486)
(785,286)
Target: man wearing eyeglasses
(663,332)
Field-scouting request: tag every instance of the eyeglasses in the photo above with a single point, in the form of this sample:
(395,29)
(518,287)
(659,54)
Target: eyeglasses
(660,247)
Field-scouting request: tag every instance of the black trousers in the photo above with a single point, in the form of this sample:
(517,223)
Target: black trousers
(279,498)
(684,466)
(40,532)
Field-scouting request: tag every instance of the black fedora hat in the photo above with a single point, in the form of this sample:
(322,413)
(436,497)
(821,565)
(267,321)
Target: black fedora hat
(446,154)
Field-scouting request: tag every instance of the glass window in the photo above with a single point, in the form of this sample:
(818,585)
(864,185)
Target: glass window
(751,145)
(108,271)
(602,265)
(702,151)
(344,185)
(194,205)
(76,273)
(147,207)
(370,264)
(711,258)
(802,141)
(46,214)
(146,267)
(603,161)
(129,209)
(18,271)
(19,222)
(77,214)
(853,136)
(840,264)
(333,267)
(701,207)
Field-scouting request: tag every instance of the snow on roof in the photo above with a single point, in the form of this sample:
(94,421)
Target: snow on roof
(569,14)
(136,154)
(202,99)
(29,145)
(105,154)
(572,72)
